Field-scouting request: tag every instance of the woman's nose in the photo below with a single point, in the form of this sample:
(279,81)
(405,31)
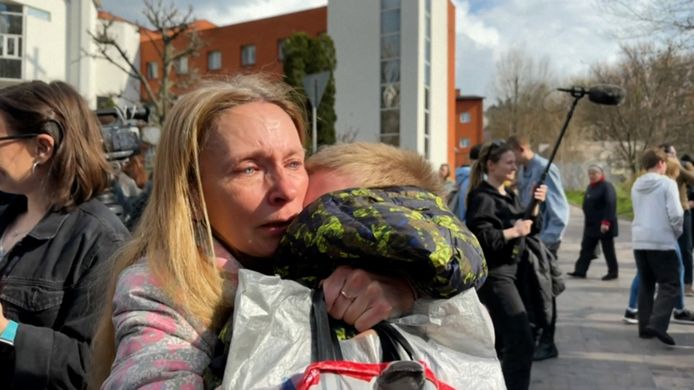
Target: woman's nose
(283,187)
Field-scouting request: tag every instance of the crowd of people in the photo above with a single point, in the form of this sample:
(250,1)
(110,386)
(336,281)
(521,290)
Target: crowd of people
(86,301)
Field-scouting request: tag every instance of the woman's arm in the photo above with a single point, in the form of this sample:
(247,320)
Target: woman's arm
(155,344)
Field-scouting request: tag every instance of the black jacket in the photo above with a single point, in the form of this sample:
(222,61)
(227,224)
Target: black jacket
(600,204)
(53,282)
(488,214)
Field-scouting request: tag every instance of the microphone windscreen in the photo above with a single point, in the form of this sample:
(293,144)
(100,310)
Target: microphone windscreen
(606,94)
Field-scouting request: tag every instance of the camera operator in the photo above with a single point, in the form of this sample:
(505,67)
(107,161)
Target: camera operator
(125,150)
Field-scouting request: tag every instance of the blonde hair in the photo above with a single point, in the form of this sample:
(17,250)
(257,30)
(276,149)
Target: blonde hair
(673,167)
(376,165)
(174,234)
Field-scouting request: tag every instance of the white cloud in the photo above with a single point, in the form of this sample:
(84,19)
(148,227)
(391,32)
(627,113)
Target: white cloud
(231,12)
(571,34)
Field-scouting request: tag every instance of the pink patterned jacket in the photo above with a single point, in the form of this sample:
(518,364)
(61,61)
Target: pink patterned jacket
(158,345)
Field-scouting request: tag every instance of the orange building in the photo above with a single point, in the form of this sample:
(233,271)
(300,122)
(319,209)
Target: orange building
(468,126)
(254,46)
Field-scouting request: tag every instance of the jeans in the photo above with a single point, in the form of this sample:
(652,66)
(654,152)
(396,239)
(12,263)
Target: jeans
(634,291)
(514,339)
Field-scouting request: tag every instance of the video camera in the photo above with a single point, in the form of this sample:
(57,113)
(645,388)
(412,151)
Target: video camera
(121,138)
(119,130)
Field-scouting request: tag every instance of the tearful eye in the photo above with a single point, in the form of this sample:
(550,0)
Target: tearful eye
(249,170)
(294,164)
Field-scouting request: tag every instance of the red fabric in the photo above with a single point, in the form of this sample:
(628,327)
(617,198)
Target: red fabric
(361,371)
(605,222)
(600,180)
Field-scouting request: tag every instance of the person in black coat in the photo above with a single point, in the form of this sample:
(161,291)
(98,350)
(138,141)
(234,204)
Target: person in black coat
(600,211)
(495,216)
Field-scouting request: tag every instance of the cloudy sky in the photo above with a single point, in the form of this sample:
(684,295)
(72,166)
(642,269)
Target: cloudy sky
(571,34)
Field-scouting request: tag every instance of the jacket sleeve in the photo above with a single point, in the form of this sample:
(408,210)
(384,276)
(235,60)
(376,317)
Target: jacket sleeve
(556,208)
(59,358)
(610,204)
(156,346)
(485,225)
(673,207)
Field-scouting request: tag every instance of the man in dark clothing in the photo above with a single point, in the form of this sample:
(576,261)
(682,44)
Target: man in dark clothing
(600,224)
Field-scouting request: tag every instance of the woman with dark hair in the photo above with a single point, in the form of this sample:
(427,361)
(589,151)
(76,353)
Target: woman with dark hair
(55,238)
(495,216)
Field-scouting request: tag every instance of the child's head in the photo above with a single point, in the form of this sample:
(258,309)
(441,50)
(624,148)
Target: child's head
(342,166)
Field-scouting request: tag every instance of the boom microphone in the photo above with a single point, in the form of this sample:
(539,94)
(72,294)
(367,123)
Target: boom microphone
(610,95)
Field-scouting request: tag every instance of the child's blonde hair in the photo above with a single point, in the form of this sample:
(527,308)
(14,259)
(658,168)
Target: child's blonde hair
(376,165)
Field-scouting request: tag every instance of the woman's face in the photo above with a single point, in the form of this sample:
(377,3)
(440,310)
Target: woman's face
(594,175)
(504,169)
(15,161)
(253,176)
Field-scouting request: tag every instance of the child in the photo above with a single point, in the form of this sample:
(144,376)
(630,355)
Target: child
(375,207)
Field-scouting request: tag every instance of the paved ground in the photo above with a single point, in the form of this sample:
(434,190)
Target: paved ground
(596,349)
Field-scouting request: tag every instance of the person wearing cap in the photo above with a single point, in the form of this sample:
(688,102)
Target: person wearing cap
(600,224)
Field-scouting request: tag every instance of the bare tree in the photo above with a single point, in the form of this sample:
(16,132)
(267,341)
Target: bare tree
(671,19)
(173,37)
(659,86)
(524,104)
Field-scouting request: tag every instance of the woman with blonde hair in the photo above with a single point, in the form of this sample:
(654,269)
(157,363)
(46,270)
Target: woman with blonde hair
(56,238)
(229,177)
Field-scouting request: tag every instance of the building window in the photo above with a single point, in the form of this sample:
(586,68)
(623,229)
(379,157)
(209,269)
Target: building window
(248,55)
(182,65)
(280,50)
(464,117)
(390,72)
(152,70)
(11,40)
(463,143)
(427,79)
(39,13)
(214,60)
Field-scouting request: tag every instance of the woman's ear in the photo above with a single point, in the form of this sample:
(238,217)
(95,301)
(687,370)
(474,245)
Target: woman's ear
(45,147)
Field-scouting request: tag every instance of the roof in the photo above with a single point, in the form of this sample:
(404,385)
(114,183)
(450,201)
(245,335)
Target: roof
(105,15)
(469,97)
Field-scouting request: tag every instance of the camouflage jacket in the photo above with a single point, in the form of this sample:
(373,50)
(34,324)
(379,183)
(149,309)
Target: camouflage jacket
(397,231)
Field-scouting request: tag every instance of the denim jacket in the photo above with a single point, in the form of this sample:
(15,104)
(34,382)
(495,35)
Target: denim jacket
(52,285)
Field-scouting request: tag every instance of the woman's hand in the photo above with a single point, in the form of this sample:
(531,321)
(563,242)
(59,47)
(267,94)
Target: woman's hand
(522,228)
(363,299)
(540,193)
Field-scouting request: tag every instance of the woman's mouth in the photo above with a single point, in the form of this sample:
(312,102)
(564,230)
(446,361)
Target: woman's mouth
(276,227)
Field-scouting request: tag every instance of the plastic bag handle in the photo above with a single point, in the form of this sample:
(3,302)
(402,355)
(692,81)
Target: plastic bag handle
(325,345)
(391,338)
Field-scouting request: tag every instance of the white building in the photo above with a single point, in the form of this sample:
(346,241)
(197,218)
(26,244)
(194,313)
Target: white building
(395,77)
(47,40)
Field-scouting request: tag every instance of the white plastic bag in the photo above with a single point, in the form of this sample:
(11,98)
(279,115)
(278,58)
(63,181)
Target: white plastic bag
(271,342)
